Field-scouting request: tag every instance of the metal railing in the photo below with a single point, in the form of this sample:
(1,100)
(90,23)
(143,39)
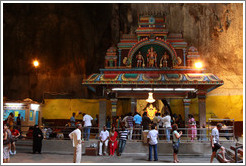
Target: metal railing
(202,134)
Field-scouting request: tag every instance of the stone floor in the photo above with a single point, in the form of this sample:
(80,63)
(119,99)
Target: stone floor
(59,158)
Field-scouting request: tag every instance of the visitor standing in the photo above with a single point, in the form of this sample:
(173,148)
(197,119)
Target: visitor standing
(156,120)
(6,143)
(152,141)
(192,132)
(108,123)
(15,134)
(129,122)
(18,122)
(145,121)
(87,126)
(72,120)
(124,120)
(167,125)
(160,124)
(122,141)
(137,124)
(76,137)
(112,141)
(176,142)
(103,138)
(37,139)
(10,121)
(215,143)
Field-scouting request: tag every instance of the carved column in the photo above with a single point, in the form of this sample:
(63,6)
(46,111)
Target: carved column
(186,103)
(102,113)
(114,106)
(119,50)
(202,107)
(133,105)
(184,50)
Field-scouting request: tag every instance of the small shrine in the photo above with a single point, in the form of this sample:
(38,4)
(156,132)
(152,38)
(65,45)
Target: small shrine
(154,60)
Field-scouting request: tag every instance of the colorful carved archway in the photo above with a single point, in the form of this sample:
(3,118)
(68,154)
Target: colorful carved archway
(159,42)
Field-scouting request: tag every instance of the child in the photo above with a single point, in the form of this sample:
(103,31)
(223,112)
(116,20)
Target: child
(176,141)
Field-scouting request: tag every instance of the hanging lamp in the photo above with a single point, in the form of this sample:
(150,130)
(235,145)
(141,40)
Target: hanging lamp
(150,98)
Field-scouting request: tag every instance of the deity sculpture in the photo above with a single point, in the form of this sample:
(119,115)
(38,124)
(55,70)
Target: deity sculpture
(151,58)
(140,59)
(151,110)
(163,61)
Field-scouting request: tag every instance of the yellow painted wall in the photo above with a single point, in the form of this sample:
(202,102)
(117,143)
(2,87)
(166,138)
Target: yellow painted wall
(216,107)
(63,108)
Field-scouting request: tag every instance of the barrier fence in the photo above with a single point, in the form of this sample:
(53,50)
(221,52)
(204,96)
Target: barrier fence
(203,134)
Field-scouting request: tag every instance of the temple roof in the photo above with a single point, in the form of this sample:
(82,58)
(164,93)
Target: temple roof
(205,81)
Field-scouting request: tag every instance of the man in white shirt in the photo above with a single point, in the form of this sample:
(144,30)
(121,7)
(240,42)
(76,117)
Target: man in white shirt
(215,143)
(76,137)
(152,141)
(166,120)
(87,126)
(103,137)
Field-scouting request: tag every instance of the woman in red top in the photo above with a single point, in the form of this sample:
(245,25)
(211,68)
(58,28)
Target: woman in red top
(15,134)
(112,141)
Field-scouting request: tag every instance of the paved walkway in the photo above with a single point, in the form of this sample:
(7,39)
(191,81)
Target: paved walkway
(58,158)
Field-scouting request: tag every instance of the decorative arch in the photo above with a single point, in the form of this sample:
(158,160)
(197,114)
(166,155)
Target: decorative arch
(160,42)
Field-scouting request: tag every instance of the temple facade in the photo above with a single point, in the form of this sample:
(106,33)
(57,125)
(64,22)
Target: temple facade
(153,60)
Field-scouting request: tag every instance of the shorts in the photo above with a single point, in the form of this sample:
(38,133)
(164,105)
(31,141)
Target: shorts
(175,147)
(6,150)
(216,147)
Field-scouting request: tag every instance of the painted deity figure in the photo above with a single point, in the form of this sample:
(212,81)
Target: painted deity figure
(151,110)
(140,59)
(163,61)
(151,58)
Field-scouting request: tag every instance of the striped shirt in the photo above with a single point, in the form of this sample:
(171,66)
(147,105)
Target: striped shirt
(123,134)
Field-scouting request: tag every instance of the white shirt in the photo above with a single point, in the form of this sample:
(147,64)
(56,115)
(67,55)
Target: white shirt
(166,121)
(175,139)
(104,135)
(76,136)
(87,119)
(152,135)
(160,122)
(215,134)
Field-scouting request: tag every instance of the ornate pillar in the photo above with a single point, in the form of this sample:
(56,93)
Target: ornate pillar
(202,107)
(119,50)
(102,113)
(133,105)
(114,106)
(184,50)
(186,103)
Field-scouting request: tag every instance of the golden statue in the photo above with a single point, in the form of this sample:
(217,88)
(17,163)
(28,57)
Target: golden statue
(151,110)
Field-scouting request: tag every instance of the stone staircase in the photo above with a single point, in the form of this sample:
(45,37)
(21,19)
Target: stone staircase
(234,154)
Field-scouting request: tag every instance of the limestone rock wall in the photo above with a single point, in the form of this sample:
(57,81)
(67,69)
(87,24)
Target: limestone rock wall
(71,40)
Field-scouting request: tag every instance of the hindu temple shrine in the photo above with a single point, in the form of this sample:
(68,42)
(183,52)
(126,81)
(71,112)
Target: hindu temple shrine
(156,64)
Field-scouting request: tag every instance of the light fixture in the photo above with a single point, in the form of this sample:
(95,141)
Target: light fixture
(121,89)
(198,65)
(34,106)
(14,104)
(142,89)
(150,98)
(163,89)
(35,63)
(184,89)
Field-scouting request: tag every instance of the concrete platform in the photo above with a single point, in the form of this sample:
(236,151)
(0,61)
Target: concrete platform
(131,148)
(68,158)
